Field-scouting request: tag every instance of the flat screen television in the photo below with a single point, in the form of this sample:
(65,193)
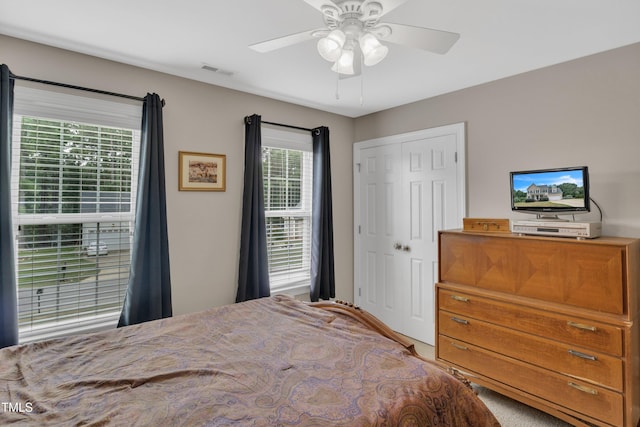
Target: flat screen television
(551,192)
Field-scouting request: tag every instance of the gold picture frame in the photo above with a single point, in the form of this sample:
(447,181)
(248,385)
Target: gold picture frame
(202,171)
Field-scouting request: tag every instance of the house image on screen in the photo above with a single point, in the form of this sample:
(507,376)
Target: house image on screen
(544,192)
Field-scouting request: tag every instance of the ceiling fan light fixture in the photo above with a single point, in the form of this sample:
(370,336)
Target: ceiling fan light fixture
(330,47)
(372,50)
(344,64)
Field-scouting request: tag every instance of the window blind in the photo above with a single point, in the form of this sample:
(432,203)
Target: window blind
(73,192)
(287,176)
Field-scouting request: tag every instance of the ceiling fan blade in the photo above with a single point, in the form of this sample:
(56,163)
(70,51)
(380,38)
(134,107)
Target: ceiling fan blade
(387,5)
(436,41)
(317,4)
(280,42)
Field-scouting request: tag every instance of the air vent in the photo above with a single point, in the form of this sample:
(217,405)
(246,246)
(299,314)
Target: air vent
(217,70)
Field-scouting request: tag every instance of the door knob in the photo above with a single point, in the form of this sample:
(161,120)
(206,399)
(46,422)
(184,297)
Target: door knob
(400,247)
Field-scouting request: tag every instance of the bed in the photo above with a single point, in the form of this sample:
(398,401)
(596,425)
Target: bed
(274,361)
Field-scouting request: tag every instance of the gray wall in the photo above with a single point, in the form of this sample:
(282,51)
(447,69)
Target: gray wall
(583,112)
(204,227)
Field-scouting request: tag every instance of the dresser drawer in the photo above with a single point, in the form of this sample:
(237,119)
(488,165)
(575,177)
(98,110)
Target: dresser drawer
(581,274)
(582,397)
(545,353)
(579,332)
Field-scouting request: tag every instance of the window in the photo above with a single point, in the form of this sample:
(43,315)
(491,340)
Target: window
(74,172)
(287,174)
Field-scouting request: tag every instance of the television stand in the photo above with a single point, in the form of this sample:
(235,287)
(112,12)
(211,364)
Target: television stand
(553,323)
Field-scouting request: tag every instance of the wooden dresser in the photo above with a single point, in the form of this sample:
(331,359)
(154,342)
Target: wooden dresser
(551,322)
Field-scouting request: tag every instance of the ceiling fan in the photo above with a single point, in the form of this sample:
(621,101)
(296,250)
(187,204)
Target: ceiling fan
(353,32)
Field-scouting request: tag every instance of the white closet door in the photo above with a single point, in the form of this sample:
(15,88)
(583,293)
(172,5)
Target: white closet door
(406,189)
(380,192)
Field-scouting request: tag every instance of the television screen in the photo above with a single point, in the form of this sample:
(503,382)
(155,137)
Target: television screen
(552,191)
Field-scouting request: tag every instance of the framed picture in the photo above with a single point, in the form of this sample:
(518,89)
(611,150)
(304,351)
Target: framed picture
(202,171)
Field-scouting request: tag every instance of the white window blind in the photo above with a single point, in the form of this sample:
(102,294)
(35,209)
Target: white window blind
(287,177)
(74,173)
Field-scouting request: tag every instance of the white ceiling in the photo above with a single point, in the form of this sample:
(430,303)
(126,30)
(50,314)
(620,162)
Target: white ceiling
(498,38)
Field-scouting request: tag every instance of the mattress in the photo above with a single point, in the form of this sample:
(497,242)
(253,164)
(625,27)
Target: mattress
(273,361)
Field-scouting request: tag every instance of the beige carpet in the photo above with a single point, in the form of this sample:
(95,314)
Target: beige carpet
(508,412)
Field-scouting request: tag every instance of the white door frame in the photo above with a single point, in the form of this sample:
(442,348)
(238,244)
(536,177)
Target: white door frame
(459,129)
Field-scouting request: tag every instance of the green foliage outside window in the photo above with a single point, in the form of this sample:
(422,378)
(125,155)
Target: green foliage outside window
(63,162)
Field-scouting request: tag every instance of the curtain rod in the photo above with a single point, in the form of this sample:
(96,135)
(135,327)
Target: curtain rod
(287,126)
(86,89)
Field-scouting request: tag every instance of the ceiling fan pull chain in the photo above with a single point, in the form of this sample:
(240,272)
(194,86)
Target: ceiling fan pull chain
(362,88)
(337,86)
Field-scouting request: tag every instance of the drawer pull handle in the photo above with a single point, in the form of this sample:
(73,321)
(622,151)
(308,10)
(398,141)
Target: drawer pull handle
(583,355)
(459,298)
(459,347)
(461,321)
(582,326)
(583,388)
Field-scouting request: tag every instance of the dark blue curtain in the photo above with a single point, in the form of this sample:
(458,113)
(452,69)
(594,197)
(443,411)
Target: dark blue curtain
(323,282)
(253,274)
(149,290)
(8,300)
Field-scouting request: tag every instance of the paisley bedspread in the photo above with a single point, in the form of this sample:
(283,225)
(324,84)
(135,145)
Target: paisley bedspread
(270,362)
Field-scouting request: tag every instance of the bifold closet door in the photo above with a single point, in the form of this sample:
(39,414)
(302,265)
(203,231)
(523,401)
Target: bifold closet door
(407,192)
